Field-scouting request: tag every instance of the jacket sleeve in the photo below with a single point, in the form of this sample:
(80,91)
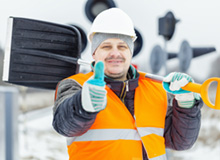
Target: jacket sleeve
(69,118)
(182,126)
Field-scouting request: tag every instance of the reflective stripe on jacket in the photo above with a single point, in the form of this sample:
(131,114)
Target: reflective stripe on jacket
(115,134)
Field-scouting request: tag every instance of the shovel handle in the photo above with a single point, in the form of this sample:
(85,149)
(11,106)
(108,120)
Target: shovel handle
(202,89)
(204,93)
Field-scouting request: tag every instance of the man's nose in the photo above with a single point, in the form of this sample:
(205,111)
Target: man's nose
(115,52)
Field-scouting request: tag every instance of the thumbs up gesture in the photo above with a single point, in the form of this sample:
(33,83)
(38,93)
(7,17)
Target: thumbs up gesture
(93,91)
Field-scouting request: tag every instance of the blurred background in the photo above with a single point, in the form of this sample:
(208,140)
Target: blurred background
(161,26)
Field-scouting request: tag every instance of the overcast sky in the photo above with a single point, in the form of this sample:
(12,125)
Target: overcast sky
(199,23)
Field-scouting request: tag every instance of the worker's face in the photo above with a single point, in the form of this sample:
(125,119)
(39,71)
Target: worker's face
(116,56)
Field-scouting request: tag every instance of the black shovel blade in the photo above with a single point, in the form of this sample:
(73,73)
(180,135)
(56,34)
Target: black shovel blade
(40,54)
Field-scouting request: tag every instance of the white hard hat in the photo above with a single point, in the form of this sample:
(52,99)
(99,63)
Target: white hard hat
(115,21)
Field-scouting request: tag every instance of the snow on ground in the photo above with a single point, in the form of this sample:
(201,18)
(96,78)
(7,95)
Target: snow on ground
(38,140)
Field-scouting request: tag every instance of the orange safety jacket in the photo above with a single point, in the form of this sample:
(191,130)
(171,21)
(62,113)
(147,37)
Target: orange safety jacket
(115,134)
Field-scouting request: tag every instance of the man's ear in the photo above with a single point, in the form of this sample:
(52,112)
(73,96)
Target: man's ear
(93,56)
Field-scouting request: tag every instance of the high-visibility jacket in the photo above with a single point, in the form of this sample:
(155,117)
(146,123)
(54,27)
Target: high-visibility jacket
(116,135)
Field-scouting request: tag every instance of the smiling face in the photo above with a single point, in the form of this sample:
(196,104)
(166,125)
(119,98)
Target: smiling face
(116,56)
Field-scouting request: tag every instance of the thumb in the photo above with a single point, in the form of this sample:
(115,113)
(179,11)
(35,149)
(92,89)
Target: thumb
(99,71)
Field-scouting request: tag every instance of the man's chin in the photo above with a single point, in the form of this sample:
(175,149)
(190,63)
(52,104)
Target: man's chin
(115,75)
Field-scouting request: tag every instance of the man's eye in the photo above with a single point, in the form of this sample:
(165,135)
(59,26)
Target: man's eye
(123,47)
(105,47)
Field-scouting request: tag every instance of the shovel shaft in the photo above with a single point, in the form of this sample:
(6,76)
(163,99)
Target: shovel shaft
(193,87)
(83,62)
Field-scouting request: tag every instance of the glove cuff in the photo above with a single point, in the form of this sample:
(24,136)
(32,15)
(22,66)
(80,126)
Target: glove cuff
(185,97)
(186,104)
(187,100)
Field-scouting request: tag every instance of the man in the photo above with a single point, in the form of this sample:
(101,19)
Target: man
(114,112)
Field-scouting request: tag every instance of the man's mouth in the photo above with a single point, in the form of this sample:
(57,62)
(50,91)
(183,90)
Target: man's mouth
(115,61)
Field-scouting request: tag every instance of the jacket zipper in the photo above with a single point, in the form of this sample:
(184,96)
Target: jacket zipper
(124,90)
(127,87)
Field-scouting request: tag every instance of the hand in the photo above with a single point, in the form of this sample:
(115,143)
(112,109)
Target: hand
(173,82)
(93,90)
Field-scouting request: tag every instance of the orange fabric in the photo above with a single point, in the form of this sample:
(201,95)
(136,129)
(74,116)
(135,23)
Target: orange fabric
(80,77)
(152,102)
(154,143)
(151,114)
(55,97)
(106,150)
(150,110)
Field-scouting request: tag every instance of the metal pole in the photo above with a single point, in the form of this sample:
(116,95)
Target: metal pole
(9,121)
(166,56)
(2,127)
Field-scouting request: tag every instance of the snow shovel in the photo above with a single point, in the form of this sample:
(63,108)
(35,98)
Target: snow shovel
(35,52)
(40,54)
